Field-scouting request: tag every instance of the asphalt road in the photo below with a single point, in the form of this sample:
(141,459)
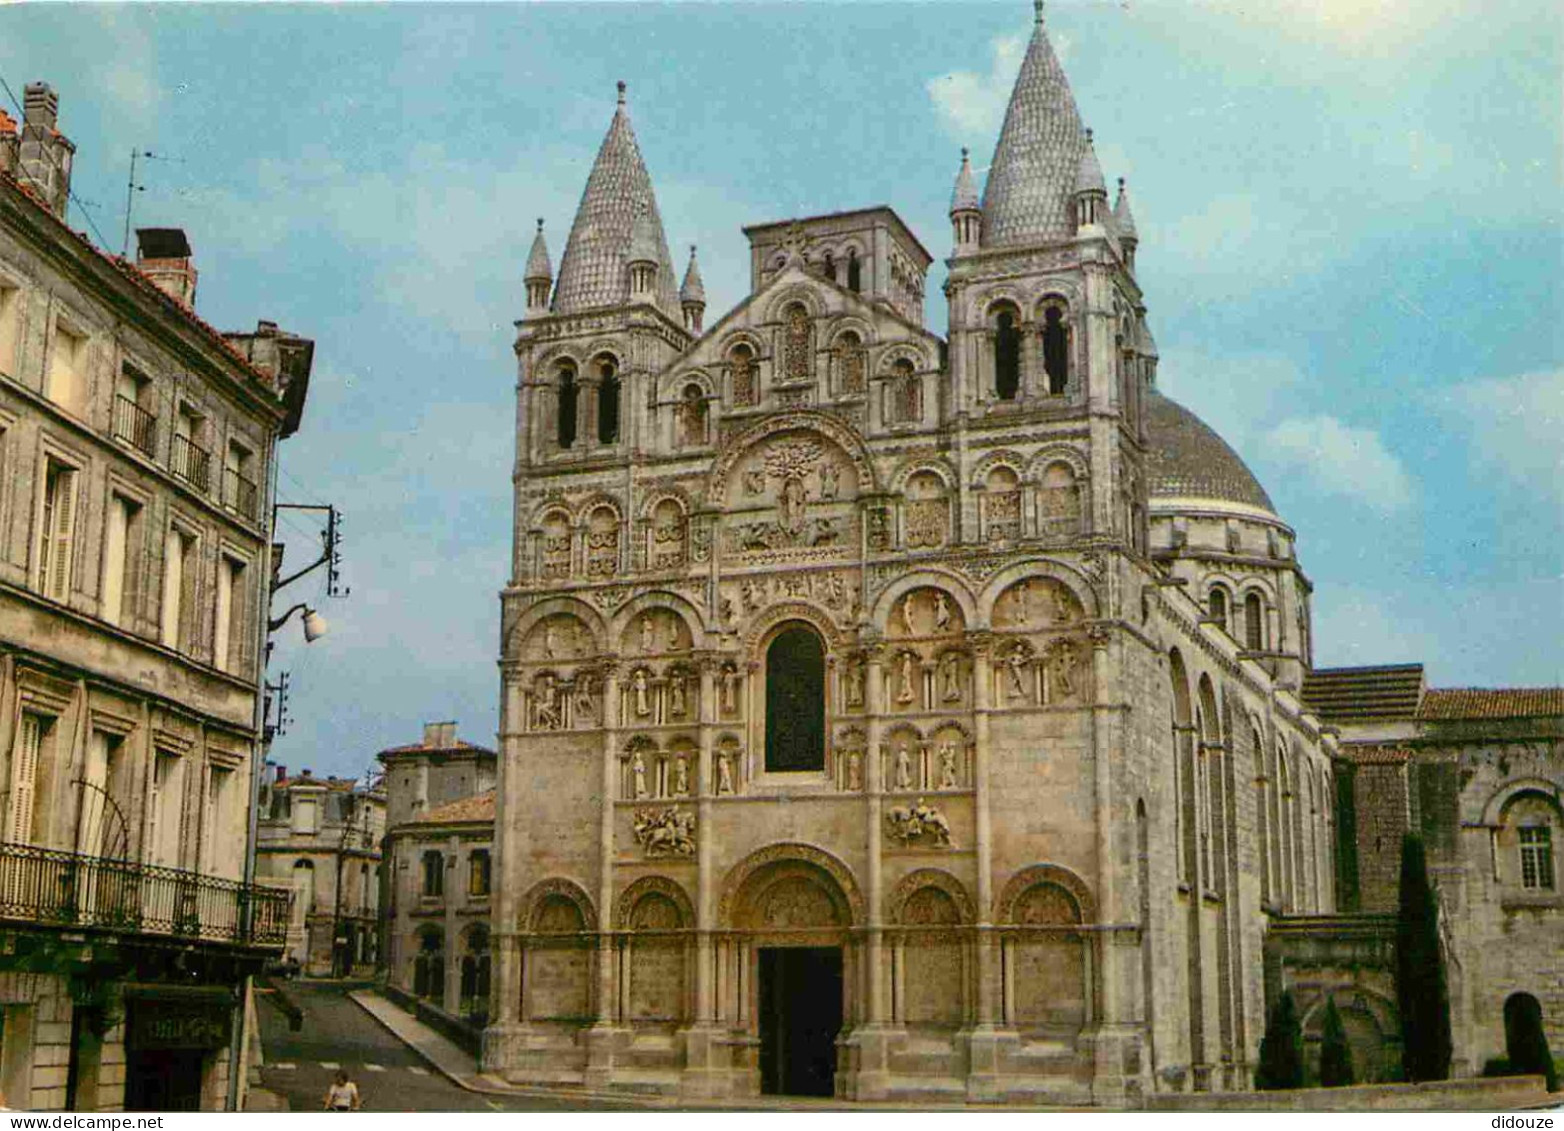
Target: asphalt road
(391,1077)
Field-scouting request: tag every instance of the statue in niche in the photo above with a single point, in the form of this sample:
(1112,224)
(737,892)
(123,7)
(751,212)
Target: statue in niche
(854,770)
(692,417)
(648,633)
(640,683)
(681,776)
(553,646)
(791,504)
(673,634)
(947,765)
(904,693)
(549,713)
(941,612)
(638,775)
(725,771)
(730,688)
(1015,664)
(676,695)
(950,677)
(1020,603)
(854,684)
(754,481)
(903,767)
(828,480)
(585,703)
(1061,671)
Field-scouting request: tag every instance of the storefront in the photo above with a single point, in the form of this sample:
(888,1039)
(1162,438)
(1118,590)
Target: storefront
(176,1043)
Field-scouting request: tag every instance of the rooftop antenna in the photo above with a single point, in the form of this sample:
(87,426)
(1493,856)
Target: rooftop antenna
(132,188)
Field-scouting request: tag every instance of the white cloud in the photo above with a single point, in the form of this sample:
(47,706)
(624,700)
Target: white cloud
(1341,460)
(1514,425)
(971,105)
(1359,626)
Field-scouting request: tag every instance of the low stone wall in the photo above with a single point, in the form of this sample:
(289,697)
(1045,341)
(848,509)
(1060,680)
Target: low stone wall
(1502,1094)
(459,1032)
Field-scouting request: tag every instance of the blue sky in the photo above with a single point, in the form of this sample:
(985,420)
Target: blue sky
(1350,211)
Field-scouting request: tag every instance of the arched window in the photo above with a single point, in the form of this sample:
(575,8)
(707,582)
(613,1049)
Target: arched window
(478,873)
(304,885)
(607,402)
(795,701)
(1001,505)
(1056,350)
(854,272)
(1254,623)
(851,360)
(742,362)
(433,873)
(1061,503)
(1007,356)
(796,347)
(692,417)
(565,412)
(1219,607)
(475,976)
(1527,828)
(828,266)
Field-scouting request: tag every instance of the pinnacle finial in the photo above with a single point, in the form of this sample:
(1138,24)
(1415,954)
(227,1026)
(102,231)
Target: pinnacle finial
(963,153)
(621,92)
(1088,135)
(692,251)
(1121,184)
(1037,6)
(540,222)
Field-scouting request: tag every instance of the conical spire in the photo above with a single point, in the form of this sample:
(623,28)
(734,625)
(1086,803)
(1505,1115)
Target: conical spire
(1088,172)
(1028,196)
(965,196)
(538,266)
(593,272)
(1123,218)
(693,289)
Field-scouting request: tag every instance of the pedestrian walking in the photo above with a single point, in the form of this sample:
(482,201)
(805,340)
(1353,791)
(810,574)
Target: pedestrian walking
(343,1095)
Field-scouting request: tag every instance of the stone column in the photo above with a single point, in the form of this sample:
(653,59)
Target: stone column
(600,1037)
(870,1042)
(701,1066)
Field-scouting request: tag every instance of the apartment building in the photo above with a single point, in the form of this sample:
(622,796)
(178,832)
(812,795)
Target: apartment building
(137,448)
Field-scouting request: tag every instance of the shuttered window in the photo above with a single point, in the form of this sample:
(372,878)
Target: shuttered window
(56,530)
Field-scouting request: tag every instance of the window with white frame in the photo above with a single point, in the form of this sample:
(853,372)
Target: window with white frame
(1536,849)
(65,382)
(121,559)
(56,529)
(10,327)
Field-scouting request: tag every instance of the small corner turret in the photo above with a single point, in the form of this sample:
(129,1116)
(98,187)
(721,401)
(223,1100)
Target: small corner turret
(1124,222)
(539,275)
(692,295)
(1091,192)
(966,209)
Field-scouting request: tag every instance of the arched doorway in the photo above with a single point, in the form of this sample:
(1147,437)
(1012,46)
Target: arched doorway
(791,908)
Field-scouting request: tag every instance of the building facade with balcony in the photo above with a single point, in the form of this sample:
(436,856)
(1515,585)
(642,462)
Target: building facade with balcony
(134,579)
(320,838)
(439,877)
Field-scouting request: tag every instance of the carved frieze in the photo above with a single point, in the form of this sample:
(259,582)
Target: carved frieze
(664,832)
(919,824)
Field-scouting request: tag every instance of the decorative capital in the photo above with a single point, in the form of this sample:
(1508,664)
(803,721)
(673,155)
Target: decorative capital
(1099,633)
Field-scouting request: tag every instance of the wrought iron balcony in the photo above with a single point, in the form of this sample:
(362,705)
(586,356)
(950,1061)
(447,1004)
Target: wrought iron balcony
(47,887)
(191,462)
(134,424)
(239,493)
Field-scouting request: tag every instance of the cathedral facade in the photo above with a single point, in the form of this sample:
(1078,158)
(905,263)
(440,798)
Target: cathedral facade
(888,716)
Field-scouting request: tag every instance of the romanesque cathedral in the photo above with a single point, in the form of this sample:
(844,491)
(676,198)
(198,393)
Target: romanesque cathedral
(884,715)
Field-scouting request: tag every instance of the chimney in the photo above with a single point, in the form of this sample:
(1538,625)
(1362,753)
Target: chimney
(10,145)
(44,155)
(163,256)
(439,736)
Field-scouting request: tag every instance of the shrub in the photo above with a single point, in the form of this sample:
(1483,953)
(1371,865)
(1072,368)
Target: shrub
(1281,1049)
(1421,994)
(1335,1053)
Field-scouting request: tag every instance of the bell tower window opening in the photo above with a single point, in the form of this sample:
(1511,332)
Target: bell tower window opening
(854,272)
(1056,350)
(1254,623)
(565,416)
(1219,608)
(795,701)
(1007,356)
(607,402)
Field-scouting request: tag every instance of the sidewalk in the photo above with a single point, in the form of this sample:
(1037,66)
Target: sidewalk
(444,1055)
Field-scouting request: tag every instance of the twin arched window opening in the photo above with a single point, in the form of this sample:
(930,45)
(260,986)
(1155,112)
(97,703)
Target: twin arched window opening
(568,407)
(1008,346)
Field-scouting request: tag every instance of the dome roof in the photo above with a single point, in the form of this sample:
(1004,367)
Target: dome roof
(1186,458)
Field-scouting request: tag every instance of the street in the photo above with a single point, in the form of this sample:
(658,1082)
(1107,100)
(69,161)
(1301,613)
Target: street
(338,1034)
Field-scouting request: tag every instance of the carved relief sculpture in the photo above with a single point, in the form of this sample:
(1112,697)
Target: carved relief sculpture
(725,771)
(1015,667)
(664,832)
(854,679)
(681,776)
(640,683)
(550,715)
(950,677)
(904,692)
(648,634)
(730,688)
(585,700)
(920,823)
(941,612)
(796,347)
(854,770)
(903,767)
(1059,671)
(828,480)
(908,615)
(744,377)
(676,694)
(638,775)
(947,765)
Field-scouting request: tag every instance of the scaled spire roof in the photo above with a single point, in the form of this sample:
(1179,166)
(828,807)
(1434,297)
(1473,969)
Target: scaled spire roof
(592,272)
(965,196)
(1123,218)
(1030,184)
(1088,174)
(538,265)
(693,290)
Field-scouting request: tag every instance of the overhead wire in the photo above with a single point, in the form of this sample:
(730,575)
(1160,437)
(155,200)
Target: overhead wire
(103,243)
